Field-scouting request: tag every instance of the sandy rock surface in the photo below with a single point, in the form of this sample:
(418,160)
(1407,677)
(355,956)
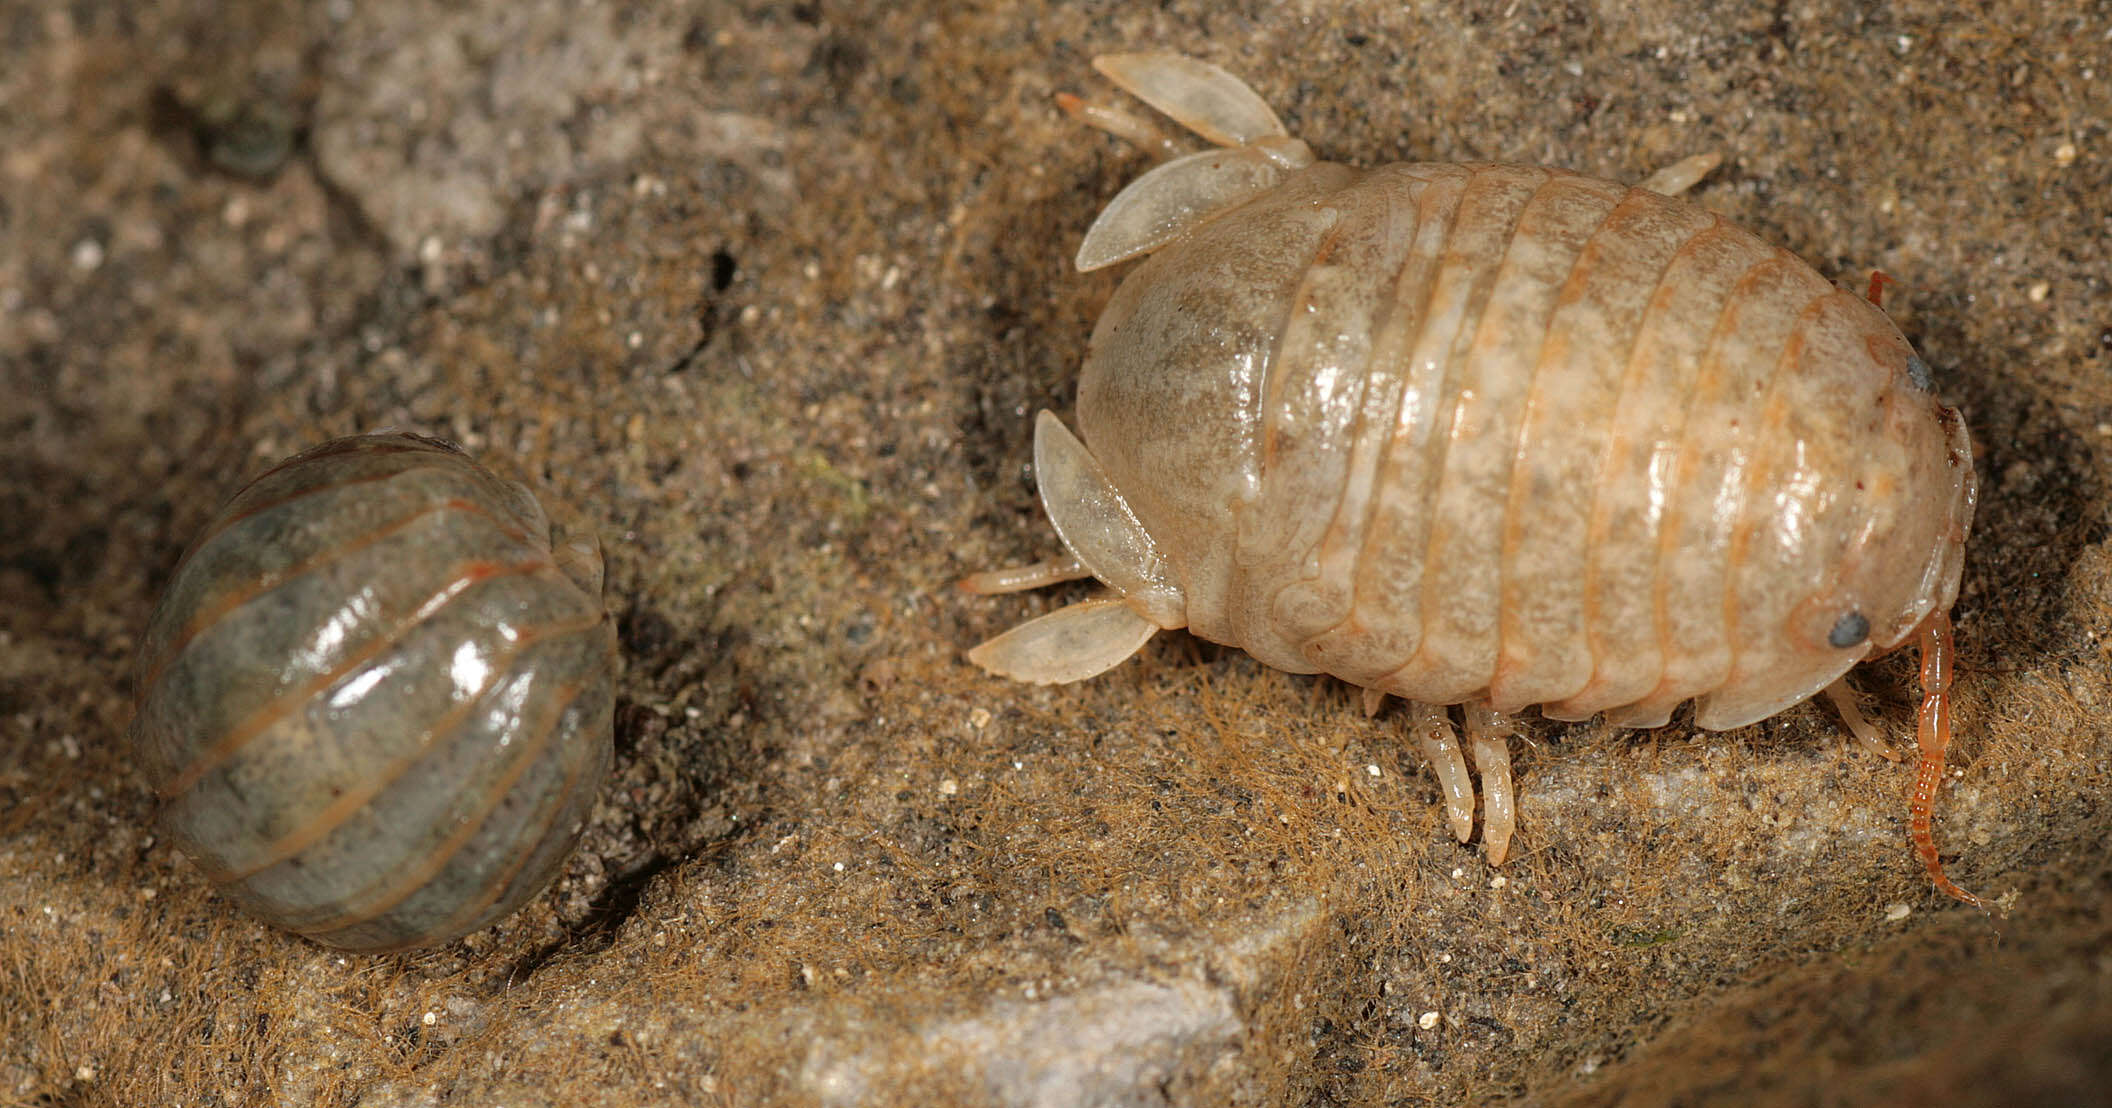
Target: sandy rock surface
(772,292)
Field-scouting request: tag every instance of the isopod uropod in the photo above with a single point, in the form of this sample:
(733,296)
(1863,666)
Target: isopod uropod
(376,698)
(1487,435)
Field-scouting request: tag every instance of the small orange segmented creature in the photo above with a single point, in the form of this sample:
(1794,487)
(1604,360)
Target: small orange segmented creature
(1488,435)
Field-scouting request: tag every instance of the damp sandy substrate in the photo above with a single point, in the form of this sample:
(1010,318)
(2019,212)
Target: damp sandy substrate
(772,293)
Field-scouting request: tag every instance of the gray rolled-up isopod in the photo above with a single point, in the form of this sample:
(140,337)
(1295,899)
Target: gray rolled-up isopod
(1487,435)
(376,699)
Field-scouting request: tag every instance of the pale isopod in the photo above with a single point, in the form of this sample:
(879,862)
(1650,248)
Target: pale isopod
(1487,435)
(376,699)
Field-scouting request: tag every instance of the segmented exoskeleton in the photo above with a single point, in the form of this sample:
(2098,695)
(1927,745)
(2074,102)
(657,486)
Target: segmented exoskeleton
(376,699)
(1488,435)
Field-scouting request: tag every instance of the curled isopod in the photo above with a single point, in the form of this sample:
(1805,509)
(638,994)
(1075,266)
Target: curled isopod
(1487,435)
(376,699)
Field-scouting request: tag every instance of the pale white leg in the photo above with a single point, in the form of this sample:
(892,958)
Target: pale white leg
(1843,696)
(1682,174)
(1433,732)
(1489,734)
(1040,575)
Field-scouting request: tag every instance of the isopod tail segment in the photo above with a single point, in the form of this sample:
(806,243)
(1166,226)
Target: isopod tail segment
(1934,735)
(1105,541)
(1254,153)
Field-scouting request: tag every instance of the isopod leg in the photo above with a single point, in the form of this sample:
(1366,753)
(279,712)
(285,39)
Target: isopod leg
(1934,733)
(1489,734)
(1433,732)
(1055,571)
(1842,694)
(1682,174)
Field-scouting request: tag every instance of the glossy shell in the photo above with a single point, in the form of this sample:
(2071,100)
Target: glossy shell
(1460,431)
(376,698)
(1487,432)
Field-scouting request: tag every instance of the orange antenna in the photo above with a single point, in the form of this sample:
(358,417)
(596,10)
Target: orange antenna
(1934,733)
(1878,280)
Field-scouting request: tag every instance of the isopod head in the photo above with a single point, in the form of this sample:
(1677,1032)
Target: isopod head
(375,700)
(1879,549)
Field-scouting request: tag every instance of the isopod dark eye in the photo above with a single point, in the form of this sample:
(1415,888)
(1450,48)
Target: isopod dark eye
(1918,372)
(1849,630)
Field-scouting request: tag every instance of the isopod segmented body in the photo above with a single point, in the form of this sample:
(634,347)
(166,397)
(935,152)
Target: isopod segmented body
(376,698)
(1486,435)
